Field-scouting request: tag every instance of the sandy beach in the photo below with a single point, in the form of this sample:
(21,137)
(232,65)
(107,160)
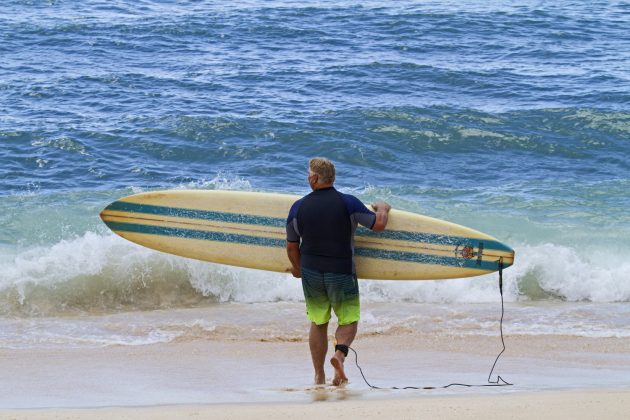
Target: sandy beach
(608,404)
(231,373)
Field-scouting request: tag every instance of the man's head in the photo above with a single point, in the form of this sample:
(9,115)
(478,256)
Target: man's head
(321,173)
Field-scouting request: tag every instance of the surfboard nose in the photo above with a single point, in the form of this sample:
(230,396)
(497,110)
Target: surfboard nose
(508,258)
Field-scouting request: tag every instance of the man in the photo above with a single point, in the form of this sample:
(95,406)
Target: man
(320,246)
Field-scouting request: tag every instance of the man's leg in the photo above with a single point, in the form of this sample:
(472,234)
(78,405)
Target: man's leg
(345,335)
(318,342)
(343,290)
(318,312)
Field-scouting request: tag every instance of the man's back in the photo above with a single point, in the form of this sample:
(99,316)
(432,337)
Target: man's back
(326,220)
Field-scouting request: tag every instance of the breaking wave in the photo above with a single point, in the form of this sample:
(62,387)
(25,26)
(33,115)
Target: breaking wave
(102,273)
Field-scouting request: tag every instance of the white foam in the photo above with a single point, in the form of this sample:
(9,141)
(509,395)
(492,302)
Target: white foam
(106,272)
(544,271)
(590,275)
(99,331)
(221,181)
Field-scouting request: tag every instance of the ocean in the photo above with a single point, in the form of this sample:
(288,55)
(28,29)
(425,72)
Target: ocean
(509,117)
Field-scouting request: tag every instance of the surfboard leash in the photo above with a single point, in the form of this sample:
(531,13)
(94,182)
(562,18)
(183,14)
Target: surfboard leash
(498,382)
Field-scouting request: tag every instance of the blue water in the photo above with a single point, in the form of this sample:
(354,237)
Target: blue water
(509,117)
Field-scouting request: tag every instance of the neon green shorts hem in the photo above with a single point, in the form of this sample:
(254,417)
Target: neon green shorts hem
(326,292)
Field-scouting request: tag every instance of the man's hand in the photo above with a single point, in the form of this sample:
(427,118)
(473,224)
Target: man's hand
(381,205)
(382,209)
(296,272)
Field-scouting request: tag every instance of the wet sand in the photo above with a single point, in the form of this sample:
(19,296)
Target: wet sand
(577,405)
(252,361)
(266,371)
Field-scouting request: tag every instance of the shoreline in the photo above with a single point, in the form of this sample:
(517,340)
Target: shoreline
(575,404)
(254,371)
(258,354)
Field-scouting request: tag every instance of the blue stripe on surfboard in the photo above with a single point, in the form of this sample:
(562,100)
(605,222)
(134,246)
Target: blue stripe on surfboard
(435,239)
(399,235)
(427,259)
(197,214)
(280,243)
(195,234)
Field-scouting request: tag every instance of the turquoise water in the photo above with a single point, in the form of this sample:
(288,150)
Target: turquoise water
(509,117)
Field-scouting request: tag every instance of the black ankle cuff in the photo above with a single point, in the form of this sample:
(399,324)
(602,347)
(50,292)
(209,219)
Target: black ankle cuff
(342,348)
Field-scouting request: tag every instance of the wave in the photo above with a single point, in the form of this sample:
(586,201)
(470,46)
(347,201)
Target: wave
(103,273)
(540,272)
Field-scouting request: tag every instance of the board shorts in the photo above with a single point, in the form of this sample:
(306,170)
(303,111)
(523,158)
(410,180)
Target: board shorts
(326,291)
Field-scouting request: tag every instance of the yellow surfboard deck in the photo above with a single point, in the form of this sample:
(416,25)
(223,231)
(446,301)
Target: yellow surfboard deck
(247,229)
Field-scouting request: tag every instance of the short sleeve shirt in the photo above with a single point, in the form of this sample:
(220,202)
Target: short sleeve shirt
(324,223)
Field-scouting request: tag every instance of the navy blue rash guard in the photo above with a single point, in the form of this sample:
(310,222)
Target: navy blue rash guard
(325,221)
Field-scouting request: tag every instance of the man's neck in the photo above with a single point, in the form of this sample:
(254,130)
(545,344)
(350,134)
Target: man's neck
(321,186)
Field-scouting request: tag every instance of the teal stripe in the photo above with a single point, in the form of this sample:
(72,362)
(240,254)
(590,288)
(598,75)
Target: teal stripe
(196,214)
(402,235)
(399,235)
(195,234)
(280,243)
(426,259)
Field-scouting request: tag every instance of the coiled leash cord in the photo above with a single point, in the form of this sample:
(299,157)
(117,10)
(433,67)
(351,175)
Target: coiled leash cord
(498,382)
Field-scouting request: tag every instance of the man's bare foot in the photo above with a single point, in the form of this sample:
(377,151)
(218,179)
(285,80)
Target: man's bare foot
(340,376)
(320,379)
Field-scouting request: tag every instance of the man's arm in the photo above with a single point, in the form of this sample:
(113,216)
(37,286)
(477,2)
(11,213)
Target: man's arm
(293,251)
(382,209)
(293,240)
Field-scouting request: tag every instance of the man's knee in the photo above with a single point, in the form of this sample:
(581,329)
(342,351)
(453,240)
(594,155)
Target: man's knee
(350,325)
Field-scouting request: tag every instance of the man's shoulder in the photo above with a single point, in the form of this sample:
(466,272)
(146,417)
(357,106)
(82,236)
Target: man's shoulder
(299,201)
(346,196)
(295,206)
(353,204)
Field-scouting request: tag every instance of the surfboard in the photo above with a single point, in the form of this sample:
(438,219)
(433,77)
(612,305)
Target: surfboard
(247,229)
